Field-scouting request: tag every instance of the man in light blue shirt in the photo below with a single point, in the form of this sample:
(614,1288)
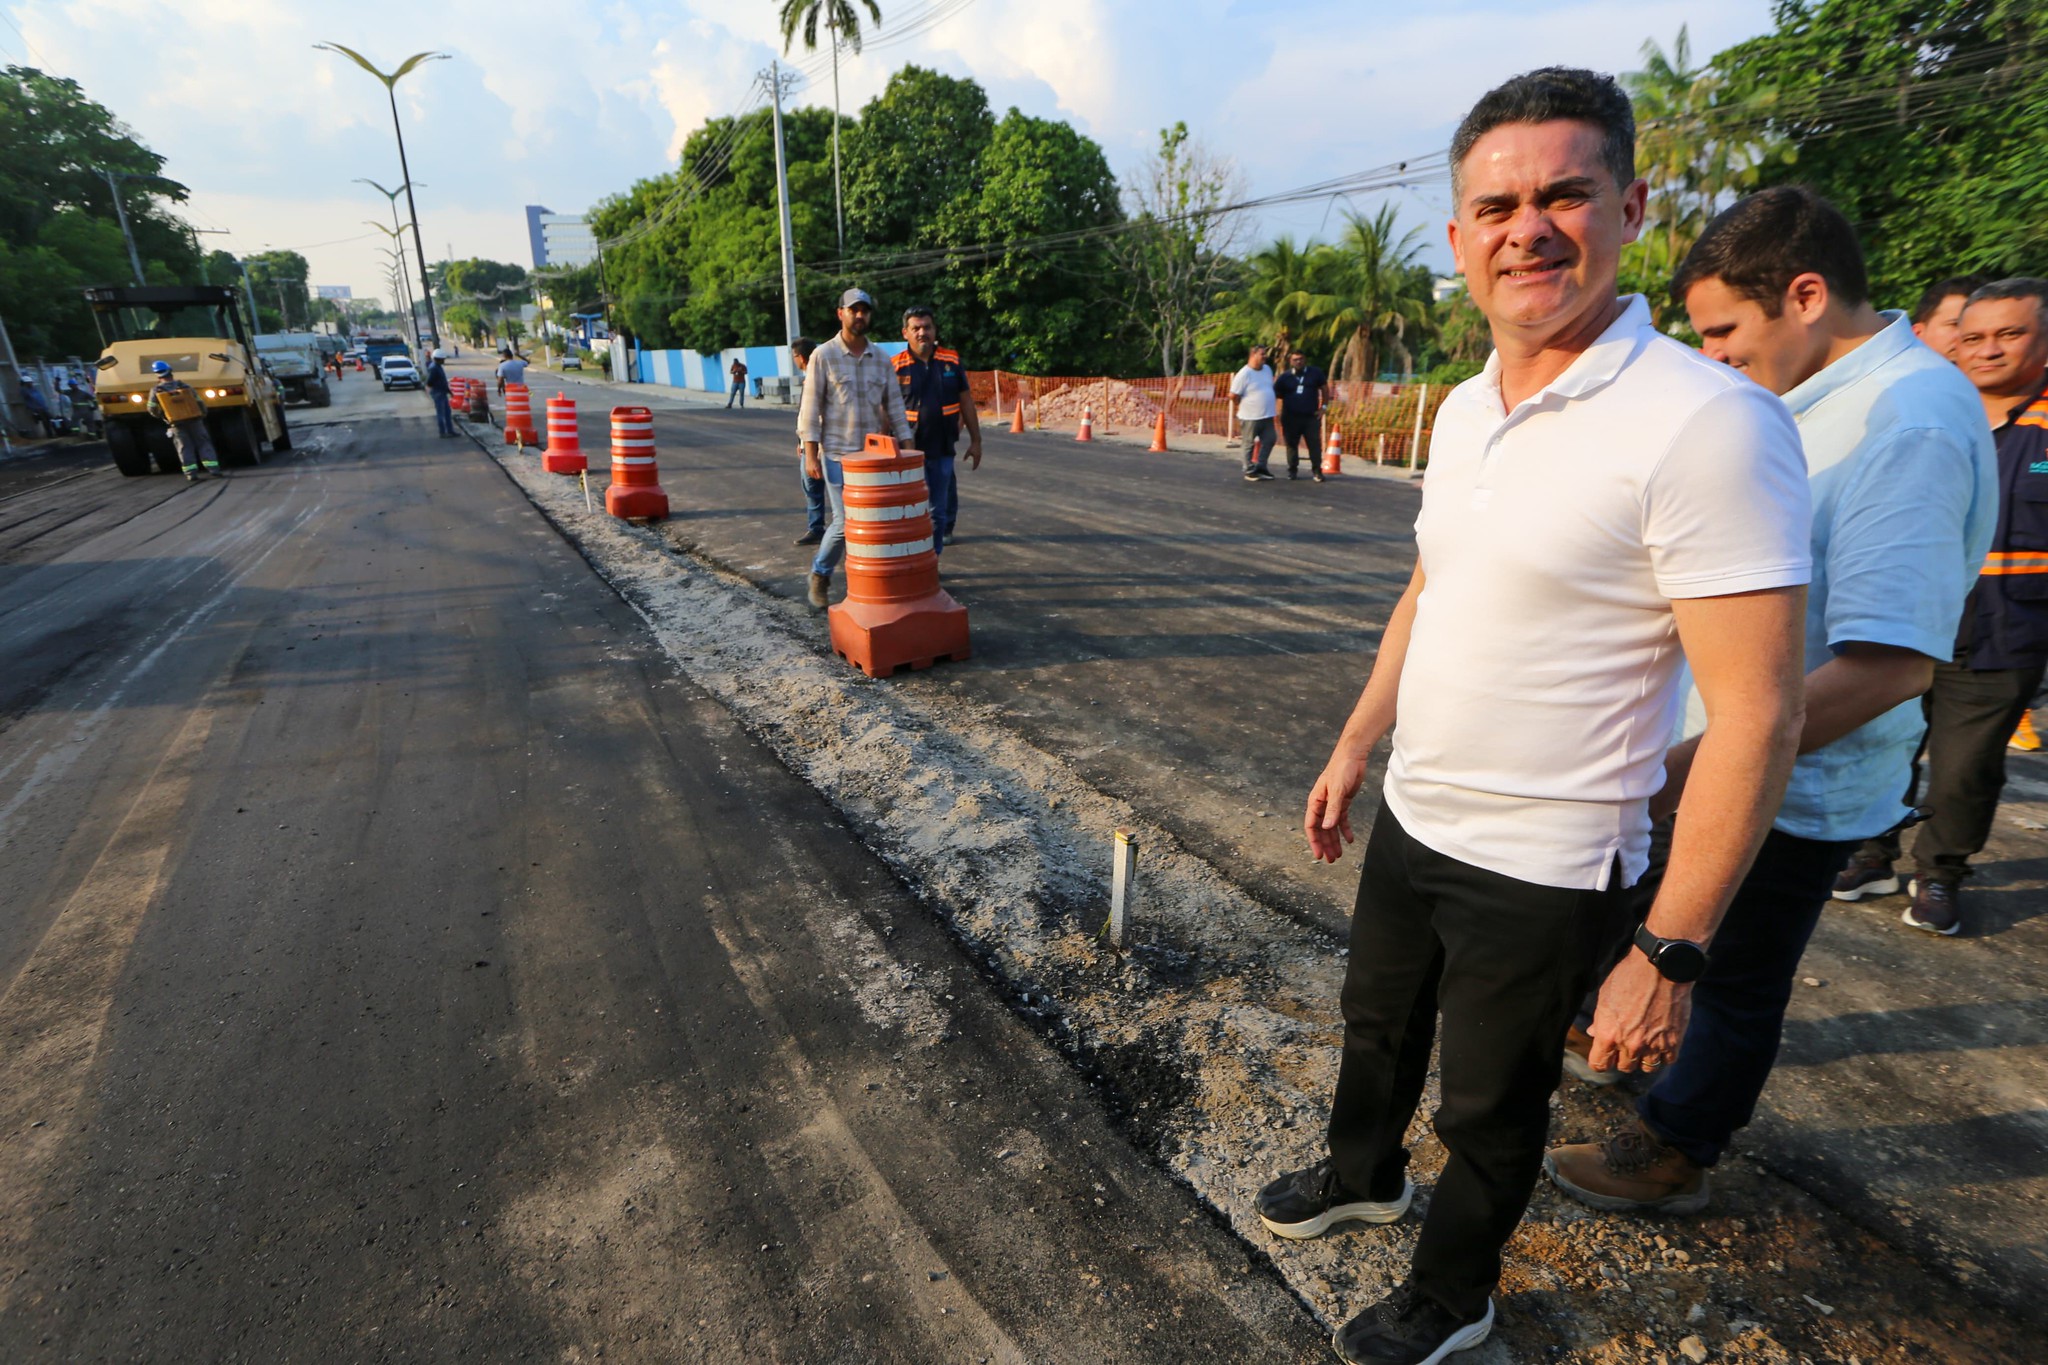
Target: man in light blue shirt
(1905,496)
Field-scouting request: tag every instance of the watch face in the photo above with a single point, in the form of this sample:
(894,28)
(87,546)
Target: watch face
(1681,961)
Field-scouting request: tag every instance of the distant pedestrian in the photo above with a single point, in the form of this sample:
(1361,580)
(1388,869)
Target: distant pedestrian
(177,405)
(1252,387)
(1301,390)
(39,408)
(938,401)
(1904,494)
(511,370)
(85,408)
(437,389)
(1941,308)
(2001,648)
(738,371)
(1603,505)
(850,391)
(814,488)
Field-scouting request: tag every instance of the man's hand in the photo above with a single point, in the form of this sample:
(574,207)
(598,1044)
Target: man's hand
(814,463)
(1327,821)
(1641,1018)
(974,452)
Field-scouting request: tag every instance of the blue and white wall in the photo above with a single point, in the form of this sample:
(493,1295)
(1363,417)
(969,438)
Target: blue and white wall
(708,373)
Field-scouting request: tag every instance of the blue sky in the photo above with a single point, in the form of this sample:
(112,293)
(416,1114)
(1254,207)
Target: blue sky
(561,104)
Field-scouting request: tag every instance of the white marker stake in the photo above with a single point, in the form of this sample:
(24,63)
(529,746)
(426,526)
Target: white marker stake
(584,477)
(1123,887)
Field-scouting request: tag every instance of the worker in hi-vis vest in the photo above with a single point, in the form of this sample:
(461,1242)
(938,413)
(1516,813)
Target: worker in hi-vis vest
(177,403)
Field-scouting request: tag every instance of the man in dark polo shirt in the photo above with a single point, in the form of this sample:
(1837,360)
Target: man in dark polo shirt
(1300,388)
(2002,646)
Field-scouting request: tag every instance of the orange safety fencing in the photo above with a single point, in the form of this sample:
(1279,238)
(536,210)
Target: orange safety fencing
(1379,421)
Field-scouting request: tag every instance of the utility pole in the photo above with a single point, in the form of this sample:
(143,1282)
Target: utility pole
(127,235)
(789,318)
(248,289)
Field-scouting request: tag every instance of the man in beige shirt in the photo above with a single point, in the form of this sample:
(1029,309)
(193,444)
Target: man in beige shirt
(850,390)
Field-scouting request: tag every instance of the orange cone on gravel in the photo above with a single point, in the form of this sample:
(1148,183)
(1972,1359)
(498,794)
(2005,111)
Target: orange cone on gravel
(565,446)
(636,492)
(1159,435)
(1333,453)
(1087,431)
(519,416)
(895,613)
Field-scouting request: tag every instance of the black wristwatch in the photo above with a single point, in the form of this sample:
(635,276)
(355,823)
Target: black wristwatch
(1676,959)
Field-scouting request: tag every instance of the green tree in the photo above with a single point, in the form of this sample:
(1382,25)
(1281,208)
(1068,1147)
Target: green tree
(912,154)
(1032,309)
(1379,301)
(495,281)
(57,214)
(1276,303)
(1924,121)
(1177,258)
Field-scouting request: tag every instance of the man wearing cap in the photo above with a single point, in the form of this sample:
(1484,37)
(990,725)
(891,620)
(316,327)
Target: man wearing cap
(178,406)
(937,401)
(850,390)
(437,389)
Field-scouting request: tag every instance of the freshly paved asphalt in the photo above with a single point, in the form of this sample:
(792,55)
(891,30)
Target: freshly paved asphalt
(1192,643)
(399,961)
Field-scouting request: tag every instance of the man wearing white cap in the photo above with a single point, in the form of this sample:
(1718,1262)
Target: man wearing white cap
(850,390)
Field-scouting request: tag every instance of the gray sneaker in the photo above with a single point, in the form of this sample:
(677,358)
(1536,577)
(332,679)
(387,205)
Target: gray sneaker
(1935,907)
(1868,874)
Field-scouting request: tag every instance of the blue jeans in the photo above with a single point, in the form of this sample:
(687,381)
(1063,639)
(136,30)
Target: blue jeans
(814,499)
(443,419)
(833,546)
(944,493)
(739,391)
(1738,1007)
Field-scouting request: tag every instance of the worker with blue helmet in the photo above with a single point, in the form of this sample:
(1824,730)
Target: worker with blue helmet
(177,405)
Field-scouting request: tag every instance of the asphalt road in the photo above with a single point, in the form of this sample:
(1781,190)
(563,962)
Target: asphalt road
(1192,643)
(399,961)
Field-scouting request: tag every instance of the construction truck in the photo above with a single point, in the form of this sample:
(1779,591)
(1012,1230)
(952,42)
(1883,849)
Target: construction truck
(295,362)
(201,332)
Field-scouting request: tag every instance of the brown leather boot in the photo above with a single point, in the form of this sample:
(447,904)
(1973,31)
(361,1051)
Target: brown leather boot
(1634,1171)
(820,585)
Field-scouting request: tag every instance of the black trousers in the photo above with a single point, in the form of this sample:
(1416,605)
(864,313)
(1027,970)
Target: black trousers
(1971,713)
(1297,427)
(1506,963)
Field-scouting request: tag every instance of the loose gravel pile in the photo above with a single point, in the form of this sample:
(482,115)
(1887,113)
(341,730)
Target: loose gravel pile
(1213,1034)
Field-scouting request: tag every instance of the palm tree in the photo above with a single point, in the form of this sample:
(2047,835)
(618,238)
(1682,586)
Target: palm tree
(1377,294)
(1277,300)
(841,18)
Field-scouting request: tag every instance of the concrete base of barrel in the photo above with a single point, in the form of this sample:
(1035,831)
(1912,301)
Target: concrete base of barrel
(636,503)
(878,638)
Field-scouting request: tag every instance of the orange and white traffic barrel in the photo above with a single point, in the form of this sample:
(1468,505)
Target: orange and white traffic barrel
(635,492)
(895,613)
(565,445)
(519,416)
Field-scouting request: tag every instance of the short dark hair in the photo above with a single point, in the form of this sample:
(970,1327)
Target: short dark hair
(1942,290)
(1759,244)
(2015,287)
(919,310)
(1549,94)
(802,347)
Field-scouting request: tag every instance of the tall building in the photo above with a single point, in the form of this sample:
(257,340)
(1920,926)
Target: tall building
(558,238)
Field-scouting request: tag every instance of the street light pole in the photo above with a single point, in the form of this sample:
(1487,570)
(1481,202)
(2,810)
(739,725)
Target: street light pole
(775,79)
(391,89)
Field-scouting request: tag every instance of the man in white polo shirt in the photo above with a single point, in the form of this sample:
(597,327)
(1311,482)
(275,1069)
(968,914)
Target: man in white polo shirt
(1600,501)
(1252,387)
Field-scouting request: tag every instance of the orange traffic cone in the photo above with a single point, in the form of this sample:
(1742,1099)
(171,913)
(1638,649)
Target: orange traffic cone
(519,416)
(2025,738)
(565,445)
(1159,435)
(1333,454)
(1017,419)
(895,612)
(636,488)
(1087,431)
